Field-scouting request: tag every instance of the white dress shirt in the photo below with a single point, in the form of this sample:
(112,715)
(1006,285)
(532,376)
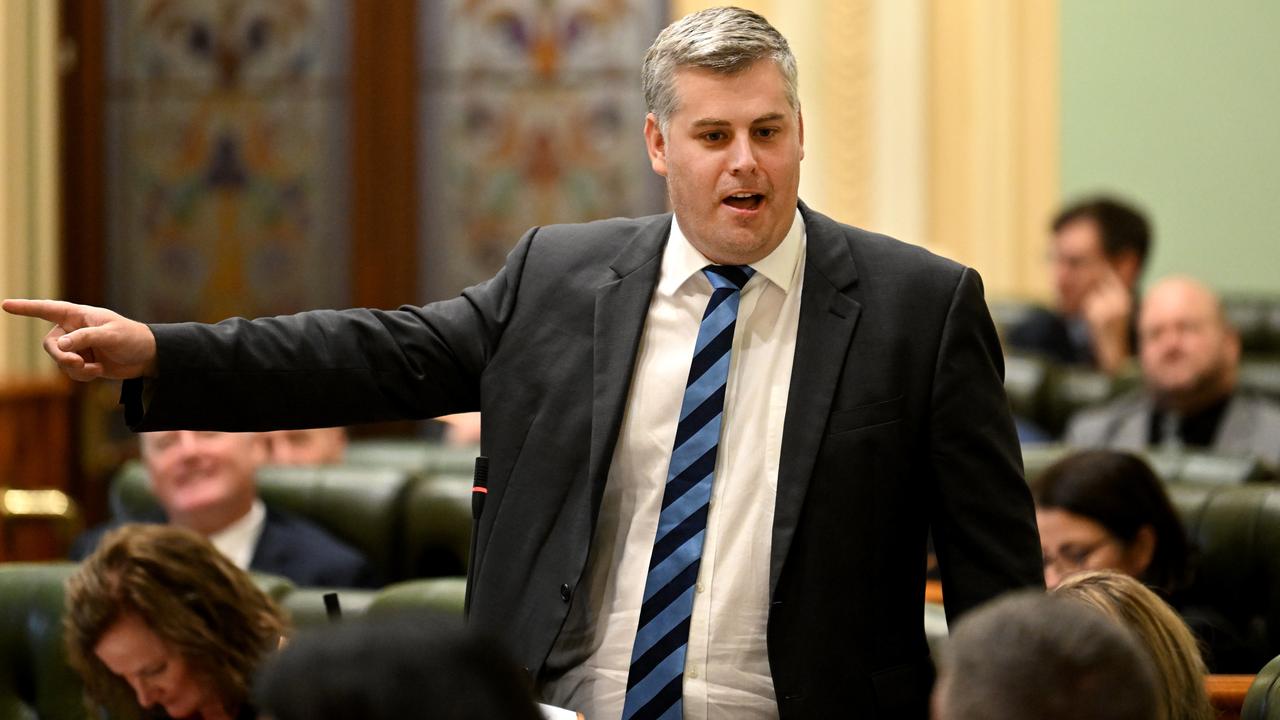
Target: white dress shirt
(238,540)
(727,666)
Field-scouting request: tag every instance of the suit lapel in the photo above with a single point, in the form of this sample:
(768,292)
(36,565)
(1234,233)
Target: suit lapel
(828,315)
(622,303)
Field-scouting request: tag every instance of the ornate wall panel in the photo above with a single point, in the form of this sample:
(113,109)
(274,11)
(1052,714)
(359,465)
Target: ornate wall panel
(532,114)
(226,157)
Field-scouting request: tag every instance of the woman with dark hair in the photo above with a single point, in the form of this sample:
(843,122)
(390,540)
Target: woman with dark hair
(1106,510)
(156,617)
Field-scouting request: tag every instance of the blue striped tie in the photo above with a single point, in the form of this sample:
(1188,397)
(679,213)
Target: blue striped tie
(655,682)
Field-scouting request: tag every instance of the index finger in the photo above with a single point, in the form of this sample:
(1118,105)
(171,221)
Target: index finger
(55,311)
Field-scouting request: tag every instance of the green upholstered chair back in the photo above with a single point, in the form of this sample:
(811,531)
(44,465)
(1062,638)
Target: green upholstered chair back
(1261,375)
(419,457)
(35,681)
(359,505)
(437,527)
(1262,702)
(1026,382)
(1237,532)
(1071,389)
(1257,318)
(443,594)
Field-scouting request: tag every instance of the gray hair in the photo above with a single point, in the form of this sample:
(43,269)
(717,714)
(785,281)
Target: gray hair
(1031,655)
(725,40)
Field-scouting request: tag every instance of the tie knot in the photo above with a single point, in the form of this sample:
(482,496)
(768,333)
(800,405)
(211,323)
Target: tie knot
(731,277)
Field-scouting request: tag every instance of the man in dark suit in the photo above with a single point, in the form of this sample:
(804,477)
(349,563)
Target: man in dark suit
(205,481)
(859,406)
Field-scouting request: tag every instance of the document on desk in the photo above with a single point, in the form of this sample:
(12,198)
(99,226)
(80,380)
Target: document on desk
(550,712)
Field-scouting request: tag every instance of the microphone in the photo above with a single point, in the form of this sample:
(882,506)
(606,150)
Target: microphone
(479,487)
(331,607)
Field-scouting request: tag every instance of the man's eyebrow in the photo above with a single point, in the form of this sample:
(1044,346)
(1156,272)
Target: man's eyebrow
(717,122)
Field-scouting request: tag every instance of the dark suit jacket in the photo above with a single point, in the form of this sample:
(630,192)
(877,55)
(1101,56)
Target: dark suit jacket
(897,421)
(290,546)
(1045,333)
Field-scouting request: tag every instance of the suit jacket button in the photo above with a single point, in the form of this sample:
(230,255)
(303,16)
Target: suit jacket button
(565,594)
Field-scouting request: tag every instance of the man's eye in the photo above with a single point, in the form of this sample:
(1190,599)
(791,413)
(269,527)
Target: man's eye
(713,136)
(767,132)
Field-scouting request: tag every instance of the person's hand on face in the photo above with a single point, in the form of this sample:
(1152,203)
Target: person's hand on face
(1108,311)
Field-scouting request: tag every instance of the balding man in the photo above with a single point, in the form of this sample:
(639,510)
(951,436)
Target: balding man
(1190,361)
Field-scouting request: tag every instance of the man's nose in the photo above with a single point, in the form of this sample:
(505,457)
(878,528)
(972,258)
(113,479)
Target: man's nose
(742,155)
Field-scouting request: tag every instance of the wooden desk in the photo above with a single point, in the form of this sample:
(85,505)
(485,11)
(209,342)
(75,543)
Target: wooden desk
(1226,693)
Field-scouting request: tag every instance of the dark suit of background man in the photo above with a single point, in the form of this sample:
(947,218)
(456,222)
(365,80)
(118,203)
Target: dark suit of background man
(864,406)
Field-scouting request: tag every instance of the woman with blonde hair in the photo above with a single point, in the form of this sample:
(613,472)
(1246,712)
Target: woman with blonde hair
(1172,646)
(158,618)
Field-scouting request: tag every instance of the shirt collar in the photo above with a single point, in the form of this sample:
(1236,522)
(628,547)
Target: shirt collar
(681,260)
(238,540)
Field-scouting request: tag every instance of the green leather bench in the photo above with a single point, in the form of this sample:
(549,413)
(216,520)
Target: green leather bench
(1195,468)
(408,526)
(1262,702)
(1236,530)
(35,681)
(420,458)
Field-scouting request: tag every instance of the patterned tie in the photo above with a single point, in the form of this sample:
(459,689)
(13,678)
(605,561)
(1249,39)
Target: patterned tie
(655,682)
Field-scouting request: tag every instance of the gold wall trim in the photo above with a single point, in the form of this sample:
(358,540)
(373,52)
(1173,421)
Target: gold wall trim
(993,164)
(29,193)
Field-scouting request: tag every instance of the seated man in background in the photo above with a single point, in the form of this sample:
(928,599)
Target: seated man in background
(1190,362)
(1028,655)
(1098,251)
(205,481)
(313,446)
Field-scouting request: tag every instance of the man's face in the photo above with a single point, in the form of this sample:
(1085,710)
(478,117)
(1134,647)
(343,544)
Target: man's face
(200,477)
(1184,345)
(317,446)
(1079,264)
(731,156)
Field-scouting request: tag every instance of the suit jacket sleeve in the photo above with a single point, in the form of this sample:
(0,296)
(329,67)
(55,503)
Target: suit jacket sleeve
(326,367)
(983,519)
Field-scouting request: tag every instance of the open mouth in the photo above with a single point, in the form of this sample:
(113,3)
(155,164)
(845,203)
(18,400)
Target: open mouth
(744,201)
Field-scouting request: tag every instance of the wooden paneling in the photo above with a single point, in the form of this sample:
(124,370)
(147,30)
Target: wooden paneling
(1226,693)
(384,154)
(83,157)
(35,452)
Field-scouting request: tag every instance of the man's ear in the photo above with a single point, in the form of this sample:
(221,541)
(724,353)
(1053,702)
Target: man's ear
(656,144)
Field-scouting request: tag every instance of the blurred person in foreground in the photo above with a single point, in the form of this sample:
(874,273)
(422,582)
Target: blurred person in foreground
(1190,359)
(717,438)
(205,481)
(393,667)
(1029,655)
(310,446)
(1098,251)
(1180,670)
(158,620)
(1107,510)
